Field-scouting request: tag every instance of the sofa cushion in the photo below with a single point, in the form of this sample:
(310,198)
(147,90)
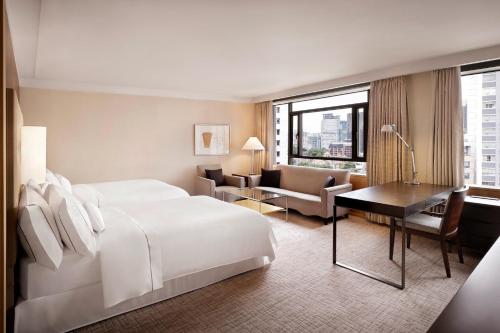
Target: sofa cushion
(309,180)
(270,178)
(215,175)
(329,182)
(293,194)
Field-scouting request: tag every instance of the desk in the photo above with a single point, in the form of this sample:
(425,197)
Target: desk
(476,306)
(397,200)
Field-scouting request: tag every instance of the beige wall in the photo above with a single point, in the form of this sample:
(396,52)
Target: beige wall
(94,137)
(420,100)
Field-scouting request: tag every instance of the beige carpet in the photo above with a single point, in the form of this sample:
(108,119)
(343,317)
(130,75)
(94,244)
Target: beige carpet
(302,291)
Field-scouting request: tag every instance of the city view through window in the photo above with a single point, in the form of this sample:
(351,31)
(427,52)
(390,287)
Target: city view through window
(481,128)
(326,132)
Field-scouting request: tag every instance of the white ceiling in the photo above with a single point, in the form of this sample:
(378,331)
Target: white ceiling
(234,49)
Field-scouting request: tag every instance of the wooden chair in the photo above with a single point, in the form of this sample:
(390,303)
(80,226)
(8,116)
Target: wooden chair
(439,226)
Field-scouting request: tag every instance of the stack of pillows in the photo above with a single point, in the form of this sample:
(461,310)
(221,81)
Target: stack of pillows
(51,218)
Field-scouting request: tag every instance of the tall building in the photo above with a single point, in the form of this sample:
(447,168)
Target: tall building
(490,148)
(330,130)
(481,128)
(281,123)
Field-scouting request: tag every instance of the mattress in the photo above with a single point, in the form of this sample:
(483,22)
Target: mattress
(75,272)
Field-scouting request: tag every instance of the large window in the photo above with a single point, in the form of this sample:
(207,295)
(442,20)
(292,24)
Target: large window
(480,94)
(327,132)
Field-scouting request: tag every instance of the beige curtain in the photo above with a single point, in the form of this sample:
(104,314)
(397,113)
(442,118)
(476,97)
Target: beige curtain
(388,159)
(448,134)
(264,131)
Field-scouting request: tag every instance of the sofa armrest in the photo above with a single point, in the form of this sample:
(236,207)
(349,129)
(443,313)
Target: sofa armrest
(235,181)
(254,180)
(205,186)
(328,198)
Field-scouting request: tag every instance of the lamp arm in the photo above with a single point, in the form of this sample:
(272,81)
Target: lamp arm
(413,166)
(401,138)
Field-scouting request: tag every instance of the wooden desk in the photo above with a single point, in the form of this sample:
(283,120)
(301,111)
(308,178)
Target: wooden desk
(476,306)
(398,200)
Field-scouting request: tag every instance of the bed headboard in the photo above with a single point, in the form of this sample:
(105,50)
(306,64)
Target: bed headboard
(14,123)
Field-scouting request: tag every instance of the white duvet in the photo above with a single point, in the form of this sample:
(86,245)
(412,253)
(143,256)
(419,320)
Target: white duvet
(127,191)
(150,242)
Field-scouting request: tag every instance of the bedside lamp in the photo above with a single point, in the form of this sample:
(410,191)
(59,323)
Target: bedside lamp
(252,144)
(392,129)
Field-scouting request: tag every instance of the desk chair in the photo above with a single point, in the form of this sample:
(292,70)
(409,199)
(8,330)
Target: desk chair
(439,226)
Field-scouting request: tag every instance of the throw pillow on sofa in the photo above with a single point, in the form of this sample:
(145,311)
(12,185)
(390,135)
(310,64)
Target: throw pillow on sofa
(330,182)
(270,178)
(216,176)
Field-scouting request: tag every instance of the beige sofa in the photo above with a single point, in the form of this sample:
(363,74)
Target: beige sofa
(304,187)
(205,186)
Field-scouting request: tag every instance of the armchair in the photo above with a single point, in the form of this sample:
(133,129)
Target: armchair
(205,186)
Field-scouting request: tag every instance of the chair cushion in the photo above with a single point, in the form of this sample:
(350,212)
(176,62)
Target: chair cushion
(270,178)
(216,176)
(423,222)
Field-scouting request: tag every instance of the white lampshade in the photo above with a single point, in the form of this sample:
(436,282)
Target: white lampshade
(388,128)
(33,153)
(253,144)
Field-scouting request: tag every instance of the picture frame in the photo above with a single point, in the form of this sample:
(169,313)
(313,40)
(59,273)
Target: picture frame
(212,139)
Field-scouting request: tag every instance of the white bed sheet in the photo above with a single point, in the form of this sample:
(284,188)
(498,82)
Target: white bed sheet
(173,238)
(75,272)
(80,307)
(132,191)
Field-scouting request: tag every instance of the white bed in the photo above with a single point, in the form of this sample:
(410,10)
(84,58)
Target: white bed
(151,250)
(128,191)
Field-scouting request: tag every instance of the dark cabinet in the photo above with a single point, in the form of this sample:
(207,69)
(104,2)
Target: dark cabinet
(480,223)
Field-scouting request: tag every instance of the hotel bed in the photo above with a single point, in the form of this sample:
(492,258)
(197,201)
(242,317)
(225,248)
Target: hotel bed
(158,243)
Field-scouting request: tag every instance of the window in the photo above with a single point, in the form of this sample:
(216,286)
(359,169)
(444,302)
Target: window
(482,137)
(327,132)
(490,91)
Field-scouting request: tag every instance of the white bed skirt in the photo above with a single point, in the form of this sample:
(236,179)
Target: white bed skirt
(83,306)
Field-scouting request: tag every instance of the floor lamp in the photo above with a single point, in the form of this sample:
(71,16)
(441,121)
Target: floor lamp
(252,144)
(392,129)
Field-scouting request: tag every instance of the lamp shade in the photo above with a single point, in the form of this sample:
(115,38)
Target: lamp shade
(33,153)
(388,128)
(253,144)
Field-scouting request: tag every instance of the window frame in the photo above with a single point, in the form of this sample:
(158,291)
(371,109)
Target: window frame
(354,129)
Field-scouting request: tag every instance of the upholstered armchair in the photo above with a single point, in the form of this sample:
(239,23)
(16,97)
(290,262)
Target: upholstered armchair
(205,186)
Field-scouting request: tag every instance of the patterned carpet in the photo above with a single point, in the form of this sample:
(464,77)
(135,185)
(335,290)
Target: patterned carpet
(301,291)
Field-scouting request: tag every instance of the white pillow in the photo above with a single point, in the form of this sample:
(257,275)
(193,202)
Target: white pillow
(51,178)
(35,186)
(65,183)
(37,238)
(74,229)
(95,216)
(54,196)
(29,197)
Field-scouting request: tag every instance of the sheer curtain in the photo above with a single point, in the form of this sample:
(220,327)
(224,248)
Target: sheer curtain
(448,133)
(388,159)
(264,131)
